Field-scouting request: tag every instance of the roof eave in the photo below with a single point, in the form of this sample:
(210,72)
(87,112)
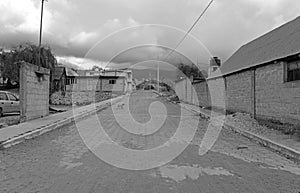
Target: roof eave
(254,66)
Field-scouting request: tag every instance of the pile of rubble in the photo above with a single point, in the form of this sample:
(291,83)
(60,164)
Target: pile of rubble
(79,98)
(247,122)
(60,98)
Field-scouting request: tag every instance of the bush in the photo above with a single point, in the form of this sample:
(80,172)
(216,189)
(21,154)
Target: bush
(59,98)
(297,132)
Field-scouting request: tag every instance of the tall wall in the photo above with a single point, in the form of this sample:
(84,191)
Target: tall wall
(194,93)
(201,96)
(240,92)
(34,92)
(217,93)
(275,98)
(181,90)
(262,92)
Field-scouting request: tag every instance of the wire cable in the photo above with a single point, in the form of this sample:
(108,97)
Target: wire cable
(190,29)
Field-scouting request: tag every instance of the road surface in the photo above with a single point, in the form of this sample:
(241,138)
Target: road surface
(61,162)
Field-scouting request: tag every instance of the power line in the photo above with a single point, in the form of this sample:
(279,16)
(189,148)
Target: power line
(191,28)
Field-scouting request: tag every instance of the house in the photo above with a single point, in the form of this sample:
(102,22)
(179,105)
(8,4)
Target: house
(125,74)
(59,79)
(106,80)
(70,77)
(263,77)
(86,86)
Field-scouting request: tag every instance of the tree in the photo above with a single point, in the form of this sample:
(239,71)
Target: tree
(96,68)
(190,70)
(27,52)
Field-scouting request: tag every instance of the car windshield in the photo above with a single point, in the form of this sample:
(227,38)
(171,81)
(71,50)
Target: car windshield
(12,97)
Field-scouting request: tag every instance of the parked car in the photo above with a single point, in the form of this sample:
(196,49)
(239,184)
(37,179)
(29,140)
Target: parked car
(9,103)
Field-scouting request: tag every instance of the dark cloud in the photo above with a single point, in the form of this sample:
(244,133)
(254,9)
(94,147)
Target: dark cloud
(72,28)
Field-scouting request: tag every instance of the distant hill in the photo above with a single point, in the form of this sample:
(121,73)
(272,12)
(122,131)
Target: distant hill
(69,65)
(163,74)
(145,74)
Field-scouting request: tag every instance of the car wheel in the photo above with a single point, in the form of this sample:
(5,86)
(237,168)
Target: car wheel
(1,112)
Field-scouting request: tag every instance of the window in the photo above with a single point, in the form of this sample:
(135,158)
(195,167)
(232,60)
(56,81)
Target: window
(112,81)
(12,97)
(293,71)
(71,81)
(3,96)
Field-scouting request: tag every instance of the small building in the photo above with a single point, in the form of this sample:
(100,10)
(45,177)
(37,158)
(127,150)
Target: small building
(115,84)
(106,80)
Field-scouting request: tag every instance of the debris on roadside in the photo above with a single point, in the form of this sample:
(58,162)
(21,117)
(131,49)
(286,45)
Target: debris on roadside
(242,147)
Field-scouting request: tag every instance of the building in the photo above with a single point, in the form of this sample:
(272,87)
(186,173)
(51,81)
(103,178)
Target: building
(59,79)
(214,64)
(118,81)
(261,78)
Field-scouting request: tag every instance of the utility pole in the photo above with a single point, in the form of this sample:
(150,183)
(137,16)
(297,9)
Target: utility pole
(40,39)
(157,74)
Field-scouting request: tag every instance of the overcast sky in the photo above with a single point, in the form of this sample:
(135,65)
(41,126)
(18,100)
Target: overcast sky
(73,27)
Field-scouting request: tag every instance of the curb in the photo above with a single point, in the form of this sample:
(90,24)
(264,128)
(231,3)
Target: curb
(277,147)
(56,125)
(274,146)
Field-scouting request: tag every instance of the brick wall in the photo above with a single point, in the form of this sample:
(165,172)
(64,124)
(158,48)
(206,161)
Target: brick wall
(239,92)
(275,98)
(34,92)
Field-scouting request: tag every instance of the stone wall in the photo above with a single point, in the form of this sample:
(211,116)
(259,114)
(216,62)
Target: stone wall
(34,91)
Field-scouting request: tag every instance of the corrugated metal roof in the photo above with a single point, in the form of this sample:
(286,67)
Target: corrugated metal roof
(71,72)
(279,43)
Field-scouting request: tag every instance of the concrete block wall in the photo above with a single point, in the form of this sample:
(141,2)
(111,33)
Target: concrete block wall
(34,91)
(217,92)
(180,89)
(201,95)
(196,93)
(276,98)
(239,92)
(189,91)
(262,92)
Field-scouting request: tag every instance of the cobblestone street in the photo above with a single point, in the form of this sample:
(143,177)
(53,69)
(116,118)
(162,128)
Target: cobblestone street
(60,161)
